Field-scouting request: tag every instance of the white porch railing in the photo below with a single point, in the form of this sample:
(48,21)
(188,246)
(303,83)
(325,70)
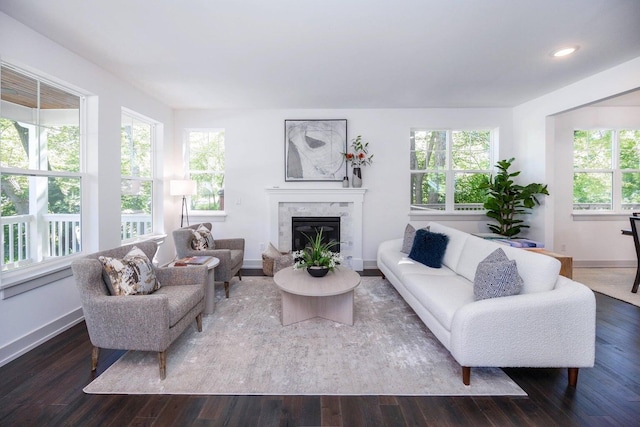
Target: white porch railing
(62,235)
(16,238)
(134,225)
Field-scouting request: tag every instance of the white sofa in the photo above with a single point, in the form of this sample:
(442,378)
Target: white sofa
(551,323)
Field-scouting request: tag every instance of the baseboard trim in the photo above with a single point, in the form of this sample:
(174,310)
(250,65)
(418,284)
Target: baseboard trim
(604,264)
(30,341)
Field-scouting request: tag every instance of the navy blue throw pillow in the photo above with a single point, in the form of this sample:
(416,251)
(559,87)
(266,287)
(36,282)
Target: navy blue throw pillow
(428,248)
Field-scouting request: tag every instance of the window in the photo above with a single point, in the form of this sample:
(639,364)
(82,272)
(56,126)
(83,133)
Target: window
(606,170)
(137,173)
(40,155)
(447,167)
(206,166)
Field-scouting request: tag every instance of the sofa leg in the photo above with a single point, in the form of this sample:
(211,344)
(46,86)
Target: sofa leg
(239,275)
(573,377)
(226,289)
(199,322)
(466,375)
(162,361)
(94,358)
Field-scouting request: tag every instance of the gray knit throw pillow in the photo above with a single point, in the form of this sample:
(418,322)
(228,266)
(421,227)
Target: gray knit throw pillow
(496,276)
(409,235)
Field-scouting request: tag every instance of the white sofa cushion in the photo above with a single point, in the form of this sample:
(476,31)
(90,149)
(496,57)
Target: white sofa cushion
(441,296)
(401,264)
(539,272)
(456,243)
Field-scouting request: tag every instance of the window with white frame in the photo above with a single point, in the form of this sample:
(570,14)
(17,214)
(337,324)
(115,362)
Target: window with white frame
(205,152)
(138,136)
(606,170)
(41,132)
(447,168)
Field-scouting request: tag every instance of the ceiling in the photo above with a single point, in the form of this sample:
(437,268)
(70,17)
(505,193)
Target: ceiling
(341,53)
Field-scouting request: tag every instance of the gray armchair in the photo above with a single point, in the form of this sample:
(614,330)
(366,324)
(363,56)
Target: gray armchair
(139,322)
(230,252)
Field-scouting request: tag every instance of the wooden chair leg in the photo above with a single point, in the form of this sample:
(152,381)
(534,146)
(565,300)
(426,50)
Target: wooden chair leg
(199,322)
(573,377)
(226,289)
(95,352)
(162,361)
(466,375)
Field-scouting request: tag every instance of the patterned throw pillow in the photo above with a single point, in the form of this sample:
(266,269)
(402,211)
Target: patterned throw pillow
(202,239)
(409,235)
(496,276)
(428,248)
(132,275)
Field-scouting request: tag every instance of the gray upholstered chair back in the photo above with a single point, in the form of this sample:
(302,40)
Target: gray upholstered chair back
(182,238)
(88,270)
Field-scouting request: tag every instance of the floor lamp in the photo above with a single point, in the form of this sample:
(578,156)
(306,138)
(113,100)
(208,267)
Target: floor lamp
(184,188)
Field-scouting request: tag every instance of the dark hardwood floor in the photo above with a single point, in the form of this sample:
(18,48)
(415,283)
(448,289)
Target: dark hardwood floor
(44,388)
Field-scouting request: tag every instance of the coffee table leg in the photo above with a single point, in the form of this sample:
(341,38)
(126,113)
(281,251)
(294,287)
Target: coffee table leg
(296,308)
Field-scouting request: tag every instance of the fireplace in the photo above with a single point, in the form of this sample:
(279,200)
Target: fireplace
(303,228)
(345,203)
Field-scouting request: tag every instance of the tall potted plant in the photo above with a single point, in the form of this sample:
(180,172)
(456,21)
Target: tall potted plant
(507,201)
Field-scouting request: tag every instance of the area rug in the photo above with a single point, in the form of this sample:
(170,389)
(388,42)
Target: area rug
(244,350)
(614,282)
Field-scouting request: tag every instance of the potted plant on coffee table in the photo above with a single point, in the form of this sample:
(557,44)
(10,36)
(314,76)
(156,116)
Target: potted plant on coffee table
(317,257)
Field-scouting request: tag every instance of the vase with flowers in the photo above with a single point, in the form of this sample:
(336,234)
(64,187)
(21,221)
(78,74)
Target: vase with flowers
(358,156)
(317,257)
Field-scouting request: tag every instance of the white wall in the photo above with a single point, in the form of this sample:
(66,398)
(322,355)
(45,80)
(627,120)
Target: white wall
(535,142)
(32,317)
(590,240)
(254,143)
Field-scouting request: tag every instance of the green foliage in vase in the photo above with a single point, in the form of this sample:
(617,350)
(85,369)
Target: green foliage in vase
(317,254)
(359,155)
(507,201)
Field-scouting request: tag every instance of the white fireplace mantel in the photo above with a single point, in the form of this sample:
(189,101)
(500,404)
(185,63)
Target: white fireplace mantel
(354,196)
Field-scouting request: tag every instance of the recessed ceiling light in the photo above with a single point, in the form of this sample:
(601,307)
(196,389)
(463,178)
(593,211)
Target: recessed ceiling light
(564,51)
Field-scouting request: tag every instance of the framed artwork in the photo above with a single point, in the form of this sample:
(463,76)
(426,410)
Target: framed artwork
(313,150)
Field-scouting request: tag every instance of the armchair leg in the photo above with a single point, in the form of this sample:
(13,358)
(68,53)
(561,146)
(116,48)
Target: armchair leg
(162,361)
(226,289)
(573,377)
(199,322)
(94,358)
(466,375)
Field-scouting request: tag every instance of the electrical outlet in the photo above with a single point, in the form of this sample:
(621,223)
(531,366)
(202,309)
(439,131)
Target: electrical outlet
(262,247)
(563,248)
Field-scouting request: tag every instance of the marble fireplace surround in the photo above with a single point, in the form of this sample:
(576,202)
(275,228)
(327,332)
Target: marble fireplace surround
(346,203)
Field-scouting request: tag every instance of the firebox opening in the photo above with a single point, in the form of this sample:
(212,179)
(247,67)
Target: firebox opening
(301,227)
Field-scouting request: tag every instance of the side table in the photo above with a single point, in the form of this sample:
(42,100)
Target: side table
(209,290)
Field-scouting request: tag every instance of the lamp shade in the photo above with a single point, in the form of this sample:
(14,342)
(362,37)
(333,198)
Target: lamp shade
(182,187)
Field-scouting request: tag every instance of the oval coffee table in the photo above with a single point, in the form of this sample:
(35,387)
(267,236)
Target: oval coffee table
(305,297)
